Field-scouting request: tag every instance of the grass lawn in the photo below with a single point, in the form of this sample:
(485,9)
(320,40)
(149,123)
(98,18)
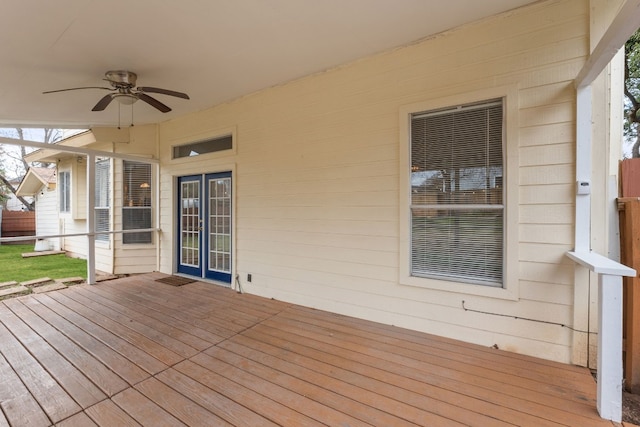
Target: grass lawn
(14,267)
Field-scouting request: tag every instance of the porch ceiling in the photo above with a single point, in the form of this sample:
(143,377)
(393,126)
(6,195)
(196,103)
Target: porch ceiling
(215,51)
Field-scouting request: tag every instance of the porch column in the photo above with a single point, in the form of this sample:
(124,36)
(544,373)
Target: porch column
(91,219)
(609,399)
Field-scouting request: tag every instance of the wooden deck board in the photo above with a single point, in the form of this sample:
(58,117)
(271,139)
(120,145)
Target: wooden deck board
(438,345)
(535,378)
(123,341)
(122,366)
(442,374)
(144,410)
(155,332)
(78,420)
(185,310)
(107,380)
(233,412)
(50,395)
(381,382)
(107,413)
(147,318)
(133,352)
(245,395)
(178,405)
(129,333)
(73,381)
(159,313)
(370,407)
(17,403)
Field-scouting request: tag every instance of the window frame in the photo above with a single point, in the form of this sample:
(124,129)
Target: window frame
(203,136)
(509,288)
(209,143)
(127,208)
(106,206)
(64,193)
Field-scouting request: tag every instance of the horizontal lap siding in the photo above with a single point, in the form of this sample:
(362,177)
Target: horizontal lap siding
(317,178)
(133,258)
(47,223)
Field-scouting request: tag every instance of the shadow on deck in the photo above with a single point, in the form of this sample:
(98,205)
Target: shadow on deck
(137,352)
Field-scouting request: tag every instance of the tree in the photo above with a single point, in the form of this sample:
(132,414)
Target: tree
(12,162)
(632,92)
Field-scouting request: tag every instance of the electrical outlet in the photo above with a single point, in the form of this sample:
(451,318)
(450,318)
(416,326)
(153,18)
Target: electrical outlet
(249,277)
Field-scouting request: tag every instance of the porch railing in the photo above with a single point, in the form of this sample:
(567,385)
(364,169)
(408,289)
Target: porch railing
(91,273)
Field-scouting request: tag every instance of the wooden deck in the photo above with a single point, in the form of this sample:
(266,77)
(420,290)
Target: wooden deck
(137,352)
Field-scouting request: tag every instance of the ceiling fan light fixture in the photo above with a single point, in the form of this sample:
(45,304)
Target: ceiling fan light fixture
(125,99)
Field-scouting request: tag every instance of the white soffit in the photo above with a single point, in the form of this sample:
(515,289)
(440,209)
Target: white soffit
(215,50)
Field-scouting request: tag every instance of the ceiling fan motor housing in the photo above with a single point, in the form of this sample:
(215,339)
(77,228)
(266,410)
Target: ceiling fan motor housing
(121,78)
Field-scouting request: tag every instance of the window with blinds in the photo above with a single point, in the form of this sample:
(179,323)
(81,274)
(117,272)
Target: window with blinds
(102,199)
(457,211)
(64,184)
(136,204)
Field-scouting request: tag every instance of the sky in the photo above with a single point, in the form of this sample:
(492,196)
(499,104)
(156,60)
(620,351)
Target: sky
(13,168)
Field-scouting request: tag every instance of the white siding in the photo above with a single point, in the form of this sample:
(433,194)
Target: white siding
(317,179)
(47,215)
(130,258)
(75,222)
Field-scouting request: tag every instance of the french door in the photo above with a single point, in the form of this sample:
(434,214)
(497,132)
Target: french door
(204,226)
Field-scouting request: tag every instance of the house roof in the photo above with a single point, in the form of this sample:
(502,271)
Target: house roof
(35,179)
(215,51)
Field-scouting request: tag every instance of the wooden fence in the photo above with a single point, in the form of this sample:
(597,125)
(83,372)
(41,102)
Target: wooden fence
(629,210)
(18,223)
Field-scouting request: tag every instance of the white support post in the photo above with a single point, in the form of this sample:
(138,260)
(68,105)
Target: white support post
(91,219)
(156,207)
(609,401)
(583,170)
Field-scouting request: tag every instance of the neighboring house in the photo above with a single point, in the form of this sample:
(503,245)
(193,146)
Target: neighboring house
(13,203)
(39,184)
(304,192)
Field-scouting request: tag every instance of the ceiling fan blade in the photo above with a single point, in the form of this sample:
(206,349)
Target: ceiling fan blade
(77,88)
(102,104)
(153,102)
(163,91)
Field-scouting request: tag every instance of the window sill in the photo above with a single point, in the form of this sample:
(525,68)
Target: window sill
(103,245)
(506,293)
(137,246)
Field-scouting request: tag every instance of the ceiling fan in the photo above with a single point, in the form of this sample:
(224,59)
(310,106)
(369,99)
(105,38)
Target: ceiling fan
(123,88)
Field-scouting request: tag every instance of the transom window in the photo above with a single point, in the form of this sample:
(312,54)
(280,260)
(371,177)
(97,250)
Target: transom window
(456,202)
(202,147)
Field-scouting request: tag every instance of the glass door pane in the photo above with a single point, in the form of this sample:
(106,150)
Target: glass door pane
(190,224)
(219,227)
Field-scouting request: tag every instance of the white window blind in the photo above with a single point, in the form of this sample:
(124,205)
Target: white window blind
(64,183)
(102,199)
(457,212)
(136,207)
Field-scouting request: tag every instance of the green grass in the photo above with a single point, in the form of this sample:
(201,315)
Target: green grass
(14,267)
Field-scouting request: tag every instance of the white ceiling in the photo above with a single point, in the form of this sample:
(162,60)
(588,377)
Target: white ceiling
(214,50)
